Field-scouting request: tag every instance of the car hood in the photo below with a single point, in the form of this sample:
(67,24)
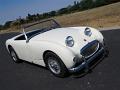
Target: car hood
(59,36)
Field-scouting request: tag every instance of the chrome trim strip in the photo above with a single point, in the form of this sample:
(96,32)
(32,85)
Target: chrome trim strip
(89,46)
(86,62)
(98,46)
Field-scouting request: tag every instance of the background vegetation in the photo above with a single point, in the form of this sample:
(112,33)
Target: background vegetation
(76,7)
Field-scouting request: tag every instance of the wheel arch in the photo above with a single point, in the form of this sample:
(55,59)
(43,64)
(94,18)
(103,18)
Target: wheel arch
(45,52)
(65,55)
(8,47)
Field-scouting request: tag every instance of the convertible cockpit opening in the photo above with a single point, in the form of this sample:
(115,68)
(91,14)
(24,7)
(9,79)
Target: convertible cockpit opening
(40,27)
(22,37)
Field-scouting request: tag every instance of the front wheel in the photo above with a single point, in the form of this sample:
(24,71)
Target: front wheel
(14,55)
(55,65)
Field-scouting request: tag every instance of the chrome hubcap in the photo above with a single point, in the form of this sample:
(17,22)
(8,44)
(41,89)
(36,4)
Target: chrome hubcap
(13,55)
(54,66)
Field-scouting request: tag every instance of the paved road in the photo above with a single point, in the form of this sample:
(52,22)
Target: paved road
(24,76)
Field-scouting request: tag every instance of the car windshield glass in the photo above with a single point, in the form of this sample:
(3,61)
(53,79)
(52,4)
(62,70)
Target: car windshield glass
(40,27)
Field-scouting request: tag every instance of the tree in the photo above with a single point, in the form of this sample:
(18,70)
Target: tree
(112,1)
(52,13)
(100,3)
(22,21)
(45,15)
(76,6)
(62,11)
(38,16)
(7,24)
(29,17)
(1,27)
(86,4)
(16,24)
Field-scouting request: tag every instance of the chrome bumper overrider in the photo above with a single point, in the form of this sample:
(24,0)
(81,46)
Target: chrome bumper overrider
(86,62)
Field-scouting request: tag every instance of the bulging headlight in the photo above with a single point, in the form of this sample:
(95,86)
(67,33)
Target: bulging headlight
(88,32)
(69,41)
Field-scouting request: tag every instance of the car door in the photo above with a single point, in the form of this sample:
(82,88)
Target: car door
(22,49)
(35,52)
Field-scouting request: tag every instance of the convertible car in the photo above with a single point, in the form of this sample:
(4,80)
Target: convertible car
(62,50)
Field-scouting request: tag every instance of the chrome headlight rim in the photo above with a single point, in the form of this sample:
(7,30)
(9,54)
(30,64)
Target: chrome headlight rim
(88,32)
(69,41)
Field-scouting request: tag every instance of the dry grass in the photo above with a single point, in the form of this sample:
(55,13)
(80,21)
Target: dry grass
(101,17)
(106,16)
(10,30)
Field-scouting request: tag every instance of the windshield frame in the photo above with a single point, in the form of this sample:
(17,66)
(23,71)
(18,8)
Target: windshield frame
(57,25)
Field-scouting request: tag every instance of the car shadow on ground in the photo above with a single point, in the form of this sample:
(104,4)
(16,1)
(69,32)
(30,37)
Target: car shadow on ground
(84,72)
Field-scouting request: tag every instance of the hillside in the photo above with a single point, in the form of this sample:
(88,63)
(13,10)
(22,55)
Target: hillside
(105,16)
(101,17)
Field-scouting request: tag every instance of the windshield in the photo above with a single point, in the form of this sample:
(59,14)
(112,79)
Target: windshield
(40,27)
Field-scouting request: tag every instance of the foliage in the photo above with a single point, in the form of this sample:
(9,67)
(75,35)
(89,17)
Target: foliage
(7,24)
(77,6)
(1,27)
(86,4)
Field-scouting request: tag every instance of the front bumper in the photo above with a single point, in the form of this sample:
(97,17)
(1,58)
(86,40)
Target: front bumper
(86,64)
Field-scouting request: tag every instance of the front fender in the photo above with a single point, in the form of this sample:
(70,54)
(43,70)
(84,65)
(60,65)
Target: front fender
(97,35)
(66,55)
(63,52)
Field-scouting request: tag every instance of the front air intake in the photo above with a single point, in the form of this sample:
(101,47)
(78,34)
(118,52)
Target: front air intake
(89,49)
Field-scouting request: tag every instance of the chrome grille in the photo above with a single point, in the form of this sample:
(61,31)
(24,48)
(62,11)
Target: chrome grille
(90,49)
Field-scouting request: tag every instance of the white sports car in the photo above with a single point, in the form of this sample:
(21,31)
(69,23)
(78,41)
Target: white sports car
(61,50)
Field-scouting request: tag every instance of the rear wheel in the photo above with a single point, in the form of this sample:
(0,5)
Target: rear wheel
(14,55)
(55,65)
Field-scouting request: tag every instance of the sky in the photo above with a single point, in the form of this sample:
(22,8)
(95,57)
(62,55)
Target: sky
(12,9)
